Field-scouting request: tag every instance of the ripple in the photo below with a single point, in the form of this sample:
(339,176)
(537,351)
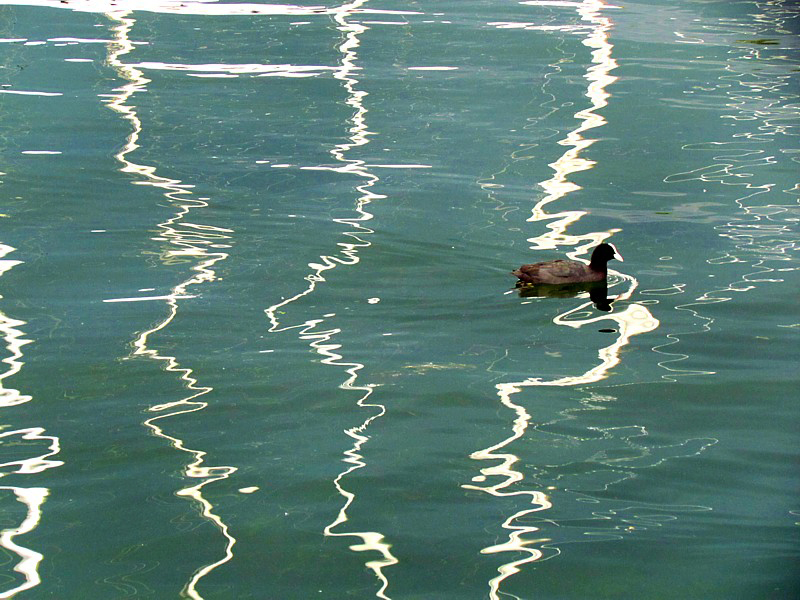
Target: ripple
(202,7)
(761,105)
(27,454)
(184,241)
(312,330)
(523,534)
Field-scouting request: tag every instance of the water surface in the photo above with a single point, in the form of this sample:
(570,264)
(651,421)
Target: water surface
(260,336)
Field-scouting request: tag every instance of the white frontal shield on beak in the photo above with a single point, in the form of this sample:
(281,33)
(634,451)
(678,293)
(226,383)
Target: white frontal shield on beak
(617,255)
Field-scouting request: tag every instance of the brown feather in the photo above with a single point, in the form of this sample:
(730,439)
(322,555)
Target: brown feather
(560,272)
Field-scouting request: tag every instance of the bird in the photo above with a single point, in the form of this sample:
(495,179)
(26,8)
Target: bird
(564,272)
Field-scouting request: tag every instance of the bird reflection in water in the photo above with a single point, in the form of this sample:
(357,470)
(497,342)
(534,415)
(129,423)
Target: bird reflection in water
(597,292)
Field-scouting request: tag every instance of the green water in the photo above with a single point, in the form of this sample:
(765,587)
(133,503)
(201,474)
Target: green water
(260,339)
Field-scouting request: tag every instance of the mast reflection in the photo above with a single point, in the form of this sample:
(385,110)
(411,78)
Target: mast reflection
(183,240)
(33,498)
(311,330)
(634,319)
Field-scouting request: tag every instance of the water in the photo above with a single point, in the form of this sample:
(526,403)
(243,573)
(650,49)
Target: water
(260,339)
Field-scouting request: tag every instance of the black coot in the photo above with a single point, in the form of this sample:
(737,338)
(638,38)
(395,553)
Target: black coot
(563,272)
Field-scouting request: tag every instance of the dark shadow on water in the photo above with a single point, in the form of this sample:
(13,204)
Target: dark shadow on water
(598,292)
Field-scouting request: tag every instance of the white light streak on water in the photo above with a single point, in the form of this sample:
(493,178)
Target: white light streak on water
(186,239)
(634,320)
(371,541)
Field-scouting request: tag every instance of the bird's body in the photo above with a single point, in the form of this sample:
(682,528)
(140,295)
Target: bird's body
(559,272)
(564,272)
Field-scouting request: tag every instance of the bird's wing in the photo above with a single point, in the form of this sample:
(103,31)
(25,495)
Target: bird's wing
(561,268)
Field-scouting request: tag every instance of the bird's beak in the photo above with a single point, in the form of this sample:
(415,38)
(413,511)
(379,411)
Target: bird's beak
(617,255)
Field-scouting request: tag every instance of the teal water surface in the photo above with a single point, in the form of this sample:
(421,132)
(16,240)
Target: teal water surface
(260,339)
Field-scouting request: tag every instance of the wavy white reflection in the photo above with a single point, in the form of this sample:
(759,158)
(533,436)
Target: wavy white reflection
(558,186)
(201,7)
(185,240)
(29,560)
(540,501)
(763,108)
(347,254)
(32,497)
(370,540)
(635,319)
(234,70)
(14,340)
